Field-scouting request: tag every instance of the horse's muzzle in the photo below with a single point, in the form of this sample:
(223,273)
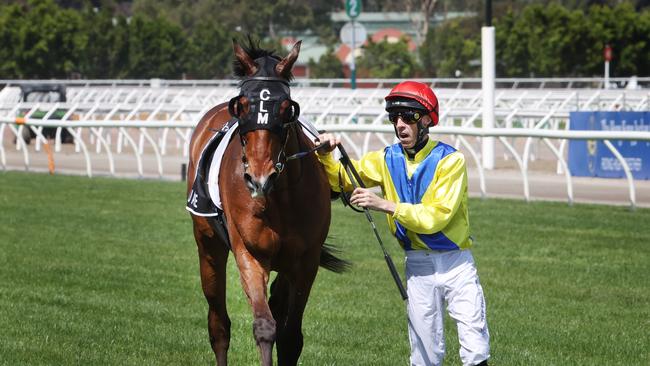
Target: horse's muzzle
(260,187)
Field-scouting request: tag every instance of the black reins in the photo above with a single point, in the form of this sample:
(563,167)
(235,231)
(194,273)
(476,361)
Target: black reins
(356,181)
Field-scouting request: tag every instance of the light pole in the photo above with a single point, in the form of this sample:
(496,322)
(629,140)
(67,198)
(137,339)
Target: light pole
(353,9)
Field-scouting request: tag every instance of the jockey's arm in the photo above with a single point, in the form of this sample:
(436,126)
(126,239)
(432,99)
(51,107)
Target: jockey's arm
(369,169)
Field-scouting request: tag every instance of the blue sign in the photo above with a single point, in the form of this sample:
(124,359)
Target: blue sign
(591,158)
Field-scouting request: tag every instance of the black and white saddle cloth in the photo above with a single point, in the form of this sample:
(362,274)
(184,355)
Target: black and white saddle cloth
(204,198)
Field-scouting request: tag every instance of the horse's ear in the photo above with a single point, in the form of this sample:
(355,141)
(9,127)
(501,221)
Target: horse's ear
(283,68)
(250,67)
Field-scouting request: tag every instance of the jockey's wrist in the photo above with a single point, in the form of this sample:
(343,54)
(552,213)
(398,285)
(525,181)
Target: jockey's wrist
(389,207)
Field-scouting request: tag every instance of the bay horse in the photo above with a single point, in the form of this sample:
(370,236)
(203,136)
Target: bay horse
(277,210)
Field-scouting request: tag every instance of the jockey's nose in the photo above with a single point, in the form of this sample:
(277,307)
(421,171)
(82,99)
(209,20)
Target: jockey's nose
(260,186)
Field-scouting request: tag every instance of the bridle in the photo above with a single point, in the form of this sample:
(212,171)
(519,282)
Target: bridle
(282,158)
(270,93)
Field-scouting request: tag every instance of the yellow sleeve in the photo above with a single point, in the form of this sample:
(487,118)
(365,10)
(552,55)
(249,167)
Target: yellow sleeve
(369,167)
(441,200)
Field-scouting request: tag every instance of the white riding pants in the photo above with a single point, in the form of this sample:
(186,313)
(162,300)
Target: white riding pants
(433,278)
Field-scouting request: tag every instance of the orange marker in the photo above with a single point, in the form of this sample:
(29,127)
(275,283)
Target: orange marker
(50,157)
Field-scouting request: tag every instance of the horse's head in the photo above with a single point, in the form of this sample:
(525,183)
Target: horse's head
(264,110)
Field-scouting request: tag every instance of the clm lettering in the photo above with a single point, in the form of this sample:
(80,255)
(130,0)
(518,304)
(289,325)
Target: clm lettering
(262,115)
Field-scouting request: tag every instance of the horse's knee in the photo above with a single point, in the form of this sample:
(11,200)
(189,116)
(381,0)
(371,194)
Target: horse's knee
(264,330)
(219,344)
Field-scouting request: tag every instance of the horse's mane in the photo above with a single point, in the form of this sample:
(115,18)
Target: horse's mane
(254,50)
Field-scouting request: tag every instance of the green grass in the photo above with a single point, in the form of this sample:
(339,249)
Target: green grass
(105,271)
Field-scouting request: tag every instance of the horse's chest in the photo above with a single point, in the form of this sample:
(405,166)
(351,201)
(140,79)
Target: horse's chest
(271,227)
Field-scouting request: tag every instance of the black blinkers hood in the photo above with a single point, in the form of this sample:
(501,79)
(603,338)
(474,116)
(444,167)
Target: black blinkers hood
(265,96)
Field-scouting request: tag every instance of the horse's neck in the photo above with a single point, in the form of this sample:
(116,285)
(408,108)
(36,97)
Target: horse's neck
(293,140)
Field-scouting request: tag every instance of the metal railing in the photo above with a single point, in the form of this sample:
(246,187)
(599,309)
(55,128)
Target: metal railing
(632,82)
(112,115)
(460,133)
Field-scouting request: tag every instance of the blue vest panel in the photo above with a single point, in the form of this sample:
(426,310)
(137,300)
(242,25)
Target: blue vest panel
(411,190)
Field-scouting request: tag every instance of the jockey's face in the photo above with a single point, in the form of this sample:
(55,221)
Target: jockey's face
(407,133)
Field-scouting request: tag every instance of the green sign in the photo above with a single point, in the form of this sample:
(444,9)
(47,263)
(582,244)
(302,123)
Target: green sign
(353,8)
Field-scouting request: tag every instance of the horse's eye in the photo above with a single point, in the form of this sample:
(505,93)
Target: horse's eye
(238,106)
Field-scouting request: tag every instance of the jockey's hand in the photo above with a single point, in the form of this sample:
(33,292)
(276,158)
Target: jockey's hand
(365,198)
(330,141)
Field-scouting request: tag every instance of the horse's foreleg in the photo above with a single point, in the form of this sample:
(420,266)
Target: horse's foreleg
(288,300)
(279,300)
(254,278)
(212,261)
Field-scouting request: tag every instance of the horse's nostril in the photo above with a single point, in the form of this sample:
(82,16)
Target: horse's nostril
(252,185)
(268,185)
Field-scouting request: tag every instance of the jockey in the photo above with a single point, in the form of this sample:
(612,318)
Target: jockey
(424,186)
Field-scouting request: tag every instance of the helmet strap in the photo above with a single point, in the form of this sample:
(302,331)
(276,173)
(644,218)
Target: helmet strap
(423,132)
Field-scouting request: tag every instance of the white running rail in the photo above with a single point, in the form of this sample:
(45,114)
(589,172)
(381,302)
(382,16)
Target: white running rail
(110,117)
(76,128)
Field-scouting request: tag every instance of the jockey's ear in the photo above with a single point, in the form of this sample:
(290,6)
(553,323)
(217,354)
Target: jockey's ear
(427,121)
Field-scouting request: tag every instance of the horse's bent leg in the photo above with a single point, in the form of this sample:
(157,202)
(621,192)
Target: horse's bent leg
(288,302)
(212,261)
(279,300)
(254,279)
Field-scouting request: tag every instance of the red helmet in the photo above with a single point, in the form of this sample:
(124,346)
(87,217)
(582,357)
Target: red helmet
(413,94)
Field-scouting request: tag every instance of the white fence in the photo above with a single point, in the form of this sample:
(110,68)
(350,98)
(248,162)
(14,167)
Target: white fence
(94,128)
(632,82)
(109,119)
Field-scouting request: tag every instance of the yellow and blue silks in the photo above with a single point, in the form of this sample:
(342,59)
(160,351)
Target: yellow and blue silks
(430,192)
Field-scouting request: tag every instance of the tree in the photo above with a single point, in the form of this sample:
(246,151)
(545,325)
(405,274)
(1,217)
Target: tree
(328,66)
(259,18)
(119,53)
(387,60)
(554,41)
(425,8)
(211,51)
(105,54)
(157,48)
(626,31)
(542,41)
(450,47)
(10,25)
(41,40)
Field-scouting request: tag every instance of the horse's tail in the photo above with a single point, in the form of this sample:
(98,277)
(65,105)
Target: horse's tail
(331,262)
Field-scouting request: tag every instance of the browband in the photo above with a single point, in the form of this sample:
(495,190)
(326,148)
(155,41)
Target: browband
(265,78)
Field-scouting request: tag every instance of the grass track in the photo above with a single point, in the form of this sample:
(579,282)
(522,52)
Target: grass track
(105,271)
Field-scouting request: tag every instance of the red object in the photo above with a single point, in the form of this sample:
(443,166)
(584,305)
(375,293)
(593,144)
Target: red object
(607,53)
(392,35)
(419,92)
